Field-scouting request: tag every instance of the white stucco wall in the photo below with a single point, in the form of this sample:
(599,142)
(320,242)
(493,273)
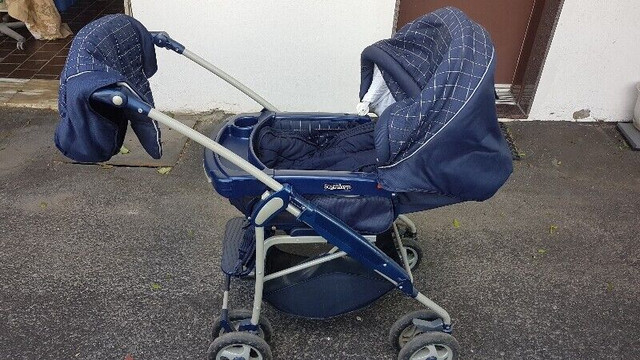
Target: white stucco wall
(301,55)
(593,63)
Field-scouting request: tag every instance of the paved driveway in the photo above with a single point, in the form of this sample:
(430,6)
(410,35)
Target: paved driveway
(102,262)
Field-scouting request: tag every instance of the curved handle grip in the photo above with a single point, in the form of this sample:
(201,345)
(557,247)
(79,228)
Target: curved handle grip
(163,40)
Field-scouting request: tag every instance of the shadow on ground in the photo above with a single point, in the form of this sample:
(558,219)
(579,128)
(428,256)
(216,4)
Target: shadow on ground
(101,262)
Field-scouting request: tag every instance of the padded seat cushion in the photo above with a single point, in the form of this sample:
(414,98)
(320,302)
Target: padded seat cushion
(350,149)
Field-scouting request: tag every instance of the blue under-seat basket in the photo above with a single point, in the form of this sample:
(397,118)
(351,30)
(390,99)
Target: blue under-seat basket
(304,293)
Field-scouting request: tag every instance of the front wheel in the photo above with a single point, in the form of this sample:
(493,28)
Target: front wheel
(239,317)
(431,346)
(404,330)
(239,346)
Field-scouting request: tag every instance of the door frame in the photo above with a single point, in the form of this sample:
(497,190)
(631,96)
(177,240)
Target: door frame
(535,48)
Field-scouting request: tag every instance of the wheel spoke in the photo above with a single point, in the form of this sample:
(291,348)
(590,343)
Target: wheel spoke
(433,353)
(239,351)
(246,352)
(426,353)
(230,352)
(411,257)
(443,352)
(408,334)
(239,346)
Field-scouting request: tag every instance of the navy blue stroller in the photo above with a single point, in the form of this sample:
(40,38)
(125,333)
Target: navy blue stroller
(322,196)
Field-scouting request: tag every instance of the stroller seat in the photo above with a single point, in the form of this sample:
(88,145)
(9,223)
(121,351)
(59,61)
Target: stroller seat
(292,145)
(328,158)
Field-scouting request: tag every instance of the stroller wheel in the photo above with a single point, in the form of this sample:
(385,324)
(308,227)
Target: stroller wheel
(431,346)
(405,231)
(237,318)
(414,252)
(239,346)
(403,330)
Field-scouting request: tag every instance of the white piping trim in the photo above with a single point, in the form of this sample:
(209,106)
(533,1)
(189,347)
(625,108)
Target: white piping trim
(78,74)
(155,126)
(493,51)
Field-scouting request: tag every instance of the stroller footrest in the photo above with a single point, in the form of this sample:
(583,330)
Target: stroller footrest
(237,253)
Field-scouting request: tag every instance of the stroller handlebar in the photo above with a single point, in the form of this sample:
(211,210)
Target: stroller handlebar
(163,40)
(122,96)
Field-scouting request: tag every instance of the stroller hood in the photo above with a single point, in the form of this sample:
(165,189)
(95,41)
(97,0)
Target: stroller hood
(110,50)
(441,136)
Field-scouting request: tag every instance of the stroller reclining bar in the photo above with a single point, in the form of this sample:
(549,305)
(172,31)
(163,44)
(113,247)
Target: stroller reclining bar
(287,239)
(325,224)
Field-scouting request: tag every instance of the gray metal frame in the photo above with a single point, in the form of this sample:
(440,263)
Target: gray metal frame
(290,240)
(228,78)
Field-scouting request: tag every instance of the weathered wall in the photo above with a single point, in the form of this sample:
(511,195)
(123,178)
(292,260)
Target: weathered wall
(300,55)
(593,63)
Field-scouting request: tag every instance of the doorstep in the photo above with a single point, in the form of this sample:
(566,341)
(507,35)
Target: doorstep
(34,93)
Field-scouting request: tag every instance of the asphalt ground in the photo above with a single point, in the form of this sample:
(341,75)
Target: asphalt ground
(100,262)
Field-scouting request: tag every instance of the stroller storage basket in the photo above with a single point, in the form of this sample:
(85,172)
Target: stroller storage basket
(305,293)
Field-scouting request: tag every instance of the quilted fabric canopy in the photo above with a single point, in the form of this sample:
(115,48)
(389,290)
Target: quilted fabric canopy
(113,49)
(442,135)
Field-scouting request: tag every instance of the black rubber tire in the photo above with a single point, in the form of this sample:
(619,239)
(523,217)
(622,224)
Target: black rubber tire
(239,338)
(403,323)
(431,338)
(411,244)
(405,231)
(265,329)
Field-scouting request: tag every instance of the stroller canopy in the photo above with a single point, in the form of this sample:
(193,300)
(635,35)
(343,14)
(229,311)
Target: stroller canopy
(110,50)
(441,136)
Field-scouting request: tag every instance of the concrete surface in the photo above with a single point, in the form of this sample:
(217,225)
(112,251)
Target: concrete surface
(34,93)
(173,144)
(102,263)
(631,134)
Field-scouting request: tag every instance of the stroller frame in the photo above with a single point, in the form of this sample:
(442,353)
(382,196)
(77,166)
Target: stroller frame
(280,198)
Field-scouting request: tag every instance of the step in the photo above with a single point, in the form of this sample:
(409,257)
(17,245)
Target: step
(231,245)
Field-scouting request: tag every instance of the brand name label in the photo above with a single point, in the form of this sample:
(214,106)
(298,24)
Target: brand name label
(337,187)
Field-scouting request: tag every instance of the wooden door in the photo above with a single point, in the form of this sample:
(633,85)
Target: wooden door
(506,20)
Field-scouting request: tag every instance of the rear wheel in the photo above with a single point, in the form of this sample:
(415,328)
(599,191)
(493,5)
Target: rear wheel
(239,346)
(431,346)
(405,231)
(403,330)
(239,317)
